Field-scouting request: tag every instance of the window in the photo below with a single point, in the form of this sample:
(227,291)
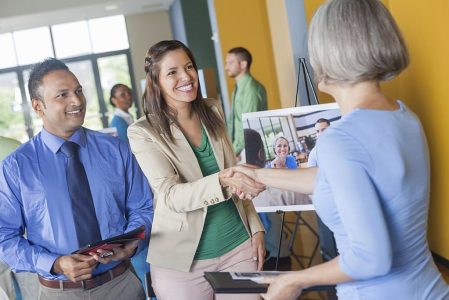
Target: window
(87,48)
(33,45)
(71,39)
(101,37)
(8,57)
(12,123)
(113,70)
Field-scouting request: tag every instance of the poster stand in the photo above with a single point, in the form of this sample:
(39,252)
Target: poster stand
(302,68)
(299,221)
(310,91)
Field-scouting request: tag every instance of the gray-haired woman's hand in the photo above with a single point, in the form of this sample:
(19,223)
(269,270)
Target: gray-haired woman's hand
(240,183)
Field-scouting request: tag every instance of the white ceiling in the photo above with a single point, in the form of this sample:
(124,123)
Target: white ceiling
(23,14)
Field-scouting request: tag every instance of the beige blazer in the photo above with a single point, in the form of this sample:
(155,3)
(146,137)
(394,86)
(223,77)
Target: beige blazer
(181,193)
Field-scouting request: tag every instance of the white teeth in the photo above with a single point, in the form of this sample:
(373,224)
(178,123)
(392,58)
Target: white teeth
(73,112)
(185,88)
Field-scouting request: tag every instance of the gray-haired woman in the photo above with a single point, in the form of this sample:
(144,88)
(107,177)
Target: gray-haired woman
(375,201)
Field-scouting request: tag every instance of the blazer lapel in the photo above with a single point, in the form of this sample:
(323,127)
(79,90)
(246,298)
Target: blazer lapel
(184,152)
(217,148)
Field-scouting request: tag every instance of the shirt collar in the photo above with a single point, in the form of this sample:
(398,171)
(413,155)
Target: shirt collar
(55,142)
(124,115)
(244,79)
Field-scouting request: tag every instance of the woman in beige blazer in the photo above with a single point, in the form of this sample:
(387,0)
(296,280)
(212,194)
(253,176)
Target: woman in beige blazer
(182,147)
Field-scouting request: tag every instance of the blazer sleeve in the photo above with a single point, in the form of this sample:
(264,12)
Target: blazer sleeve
(165,180)
(254,223)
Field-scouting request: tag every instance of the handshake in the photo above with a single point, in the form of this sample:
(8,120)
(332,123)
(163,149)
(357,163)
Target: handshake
(241,181)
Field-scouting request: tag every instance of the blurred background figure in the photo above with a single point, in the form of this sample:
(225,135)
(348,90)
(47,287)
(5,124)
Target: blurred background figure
(249,95)
(121,99)
(320,126)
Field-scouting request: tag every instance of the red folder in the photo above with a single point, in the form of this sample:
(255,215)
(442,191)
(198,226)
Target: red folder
(114,242)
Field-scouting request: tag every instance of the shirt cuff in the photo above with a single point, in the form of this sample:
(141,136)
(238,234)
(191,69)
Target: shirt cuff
(44,264)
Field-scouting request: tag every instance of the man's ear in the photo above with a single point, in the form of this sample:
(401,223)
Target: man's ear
(244,65)
(38,106)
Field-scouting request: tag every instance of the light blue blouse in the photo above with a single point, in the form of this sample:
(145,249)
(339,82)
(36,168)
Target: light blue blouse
(372,191)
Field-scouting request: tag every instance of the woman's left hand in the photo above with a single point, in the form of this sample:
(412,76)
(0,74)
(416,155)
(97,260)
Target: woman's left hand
(283,287)
(258,244)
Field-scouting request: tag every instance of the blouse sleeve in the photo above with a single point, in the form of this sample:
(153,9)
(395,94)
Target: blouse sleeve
(348,168)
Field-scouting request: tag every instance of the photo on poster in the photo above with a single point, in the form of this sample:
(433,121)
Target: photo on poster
(285,138)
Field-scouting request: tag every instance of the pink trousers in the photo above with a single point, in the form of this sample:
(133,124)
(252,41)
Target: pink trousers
(169,284)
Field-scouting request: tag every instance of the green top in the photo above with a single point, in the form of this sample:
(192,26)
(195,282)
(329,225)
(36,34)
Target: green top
(7,146)
(249,95)
(223,228)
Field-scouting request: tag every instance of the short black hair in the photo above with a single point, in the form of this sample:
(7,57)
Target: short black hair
(243,54)
(323,120)
(38,72)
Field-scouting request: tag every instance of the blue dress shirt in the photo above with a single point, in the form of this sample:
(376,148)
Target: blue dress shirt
(34,195)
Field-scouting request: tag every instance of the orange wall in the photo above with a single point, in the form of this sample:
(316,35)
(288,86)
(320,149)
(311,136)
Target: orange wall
(423,86)
(245,23)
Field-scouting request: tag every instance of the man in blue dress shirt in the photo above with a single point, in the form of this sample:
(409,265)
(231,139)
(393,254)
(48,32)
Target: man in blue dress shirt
(35,194)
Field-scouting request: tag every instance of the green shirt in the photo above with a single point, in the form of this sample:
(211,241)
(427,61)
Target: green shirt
(249,95)
(7,146)
(223,228)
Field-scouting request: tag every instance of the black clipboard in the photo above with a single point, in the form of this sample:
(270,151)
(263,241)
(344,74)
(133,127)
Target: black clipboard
(222,283)
(114,242)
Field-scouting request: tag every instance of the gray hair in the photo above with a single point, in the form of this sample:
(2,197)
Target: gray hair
(352,41)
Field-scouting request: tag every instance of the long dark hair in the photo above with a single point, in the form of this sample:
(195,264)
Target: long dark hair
(158,114)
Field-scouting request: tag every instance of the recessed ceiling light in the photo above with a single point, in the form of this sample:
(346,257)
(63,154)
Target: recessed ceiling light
(111,7)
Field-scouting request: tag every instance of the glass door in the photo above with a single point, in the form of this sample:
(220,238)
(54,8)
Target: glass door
(12,120)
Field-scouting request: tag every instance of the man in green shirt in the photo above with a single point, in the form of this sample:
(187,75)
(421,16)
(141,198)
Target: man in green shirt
(249,95)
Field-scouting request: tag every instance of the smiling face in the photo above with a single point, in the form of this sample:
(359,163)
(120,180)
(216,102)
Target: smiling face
(178,79)
(281,148)
(122,98)
(62,106)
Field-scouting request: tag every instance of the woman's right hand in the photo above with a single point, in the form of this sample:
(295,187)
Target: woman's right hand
(240,183)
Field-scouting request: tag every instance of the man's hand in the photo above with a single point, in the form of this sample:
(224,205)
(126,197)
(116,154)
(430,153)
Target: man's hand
(119,253)
(75,267)
(258,244)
